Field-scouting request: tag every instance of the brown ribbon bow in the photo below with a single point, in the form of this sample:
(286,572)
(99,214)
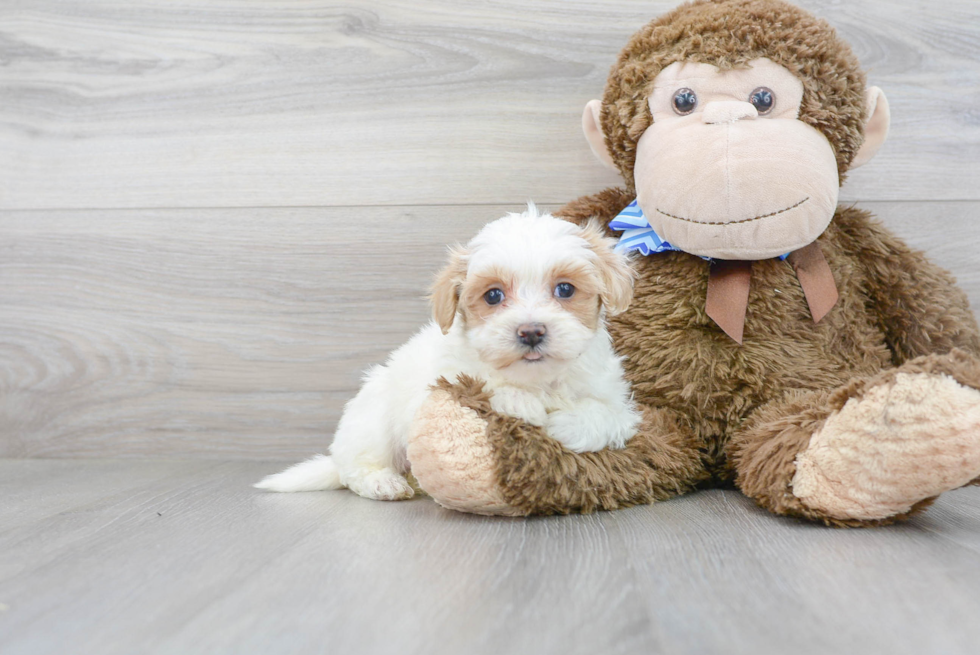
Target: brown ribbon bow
(729,280)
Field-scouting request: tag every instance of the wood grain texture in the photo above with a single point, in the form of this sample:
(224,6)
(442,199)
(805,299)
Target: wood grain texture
(218,331)
(176,557)
(110,104)
(768,583)
(241,333)
(201,563)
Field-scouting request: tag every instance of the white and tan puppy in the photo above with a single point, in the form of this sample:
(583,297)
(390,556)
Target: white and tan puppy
(521,307)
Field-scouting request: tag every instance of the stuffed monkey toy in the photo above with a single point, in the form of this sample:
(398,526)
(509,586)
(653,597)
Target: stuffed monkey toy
(776,340)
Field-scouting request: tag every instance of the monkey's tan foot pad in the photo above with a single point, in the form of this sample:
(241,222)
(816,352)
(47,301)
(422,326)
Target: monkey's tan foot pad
(452,458)
(903,441)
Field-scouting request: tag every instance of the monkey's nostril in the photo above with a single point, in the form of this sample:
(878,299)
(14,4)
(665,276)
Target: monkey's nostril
(531,334)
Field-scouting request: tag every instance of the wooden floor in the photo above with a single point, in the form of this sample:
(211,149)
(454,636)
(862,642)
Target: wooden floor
(214,214)
(165,556)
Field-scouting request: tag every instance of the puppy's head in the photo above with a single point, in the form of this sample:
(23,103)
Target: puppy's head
(530,290)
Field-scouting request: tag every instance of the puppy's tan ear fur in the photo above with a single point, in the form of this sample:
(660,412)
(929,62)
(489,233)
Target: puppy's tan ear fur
(446,288)
(614,269)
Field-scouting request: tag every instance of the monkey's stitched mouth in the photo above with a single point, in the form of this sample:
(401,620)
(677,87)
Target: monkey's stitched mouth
(744,220)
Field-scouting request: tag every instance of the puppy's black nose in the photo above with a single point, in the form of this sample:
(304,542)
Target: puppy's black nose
(531,334)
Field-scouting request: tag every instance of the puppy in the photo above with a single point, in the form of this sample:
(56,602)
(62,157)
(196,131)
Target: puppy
(522,307)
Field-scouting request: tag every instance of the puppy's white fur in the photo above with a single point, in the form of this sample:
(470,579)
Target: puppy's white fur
(571,383)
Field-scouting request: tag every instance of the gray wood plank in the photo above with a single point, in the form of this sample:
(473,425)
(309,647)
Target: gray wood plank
(173,331)
(241,333)
(772,585)
(957,521)
(91,507)
(412,102)
(202,563)
(70,486)
(477,585)
(196,561)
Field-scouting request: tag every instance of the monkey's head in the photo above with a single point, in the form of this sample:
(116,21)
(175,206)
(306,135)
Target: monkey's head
(735,121)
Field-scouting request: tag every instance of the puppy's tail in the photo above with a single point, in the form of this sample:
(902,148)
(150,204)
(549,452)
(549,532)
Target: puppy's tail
(314,474)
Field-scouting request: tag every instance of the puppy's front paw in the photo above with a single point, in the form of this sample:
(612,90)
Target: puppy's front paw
(575,433)
(383,484)
(592,425)
(519,404)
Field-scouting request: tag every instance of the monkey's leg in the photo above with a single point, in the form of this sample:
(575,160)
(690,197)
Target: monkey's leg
(871,452)
(468,457)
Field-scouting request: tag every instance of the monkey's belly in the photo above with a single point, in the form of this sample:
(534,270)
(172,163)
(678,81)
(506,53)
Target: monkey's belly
(677,357)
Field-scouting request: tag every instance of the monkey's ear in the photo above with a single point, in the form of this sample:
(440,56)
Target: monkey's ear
(876,127)
(592,126)
(446,288)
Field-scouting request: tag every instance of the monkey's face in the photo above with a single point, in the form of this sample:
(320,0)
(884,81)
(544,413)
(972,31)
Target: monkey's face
(727,169)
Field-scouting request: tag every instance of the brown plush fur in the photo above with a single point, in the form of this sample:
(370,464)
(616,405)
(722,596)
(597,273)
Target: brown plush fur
(894,305)
(713,409)
(728,35)
(717,410)
(537,476)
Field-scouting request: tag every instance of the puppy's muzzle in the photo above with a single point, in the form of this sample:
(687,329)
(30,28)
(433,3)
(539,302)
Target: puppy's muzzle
(531,334)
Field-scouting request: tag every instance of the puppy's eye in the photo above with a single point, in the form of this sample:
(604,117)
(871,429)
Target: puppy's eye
(564,290)
(684,101)
(494,297)
(762,99)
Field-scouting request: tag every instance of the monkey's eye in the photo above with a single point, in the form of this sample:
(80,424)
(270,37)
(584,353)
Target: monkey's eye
(564,290)
(494,297)
(685,101)
(763,100)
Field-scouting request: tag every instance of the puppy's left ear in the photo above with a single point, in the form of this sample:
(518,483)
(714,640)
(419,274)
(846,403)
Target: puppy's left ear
(446,289)
(614,269)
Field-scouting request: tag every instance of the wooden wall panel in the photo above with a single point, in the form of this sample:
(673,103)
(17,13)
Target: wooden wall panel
(240,333)
(214,215)
(110,104)
(204,331)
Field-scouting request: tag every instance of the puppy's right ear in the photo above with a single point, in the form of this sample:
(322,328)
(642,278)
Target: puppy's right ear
(446,289)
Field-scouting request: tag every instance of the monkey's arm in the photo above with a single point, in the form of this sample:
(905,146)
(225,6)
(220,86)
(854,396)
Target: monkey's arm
(469,458)
(604,206)
(916,303)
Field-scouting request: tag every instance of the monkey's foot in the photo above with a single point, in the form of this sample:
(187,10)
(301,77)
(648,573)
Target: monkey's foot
(904,441)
